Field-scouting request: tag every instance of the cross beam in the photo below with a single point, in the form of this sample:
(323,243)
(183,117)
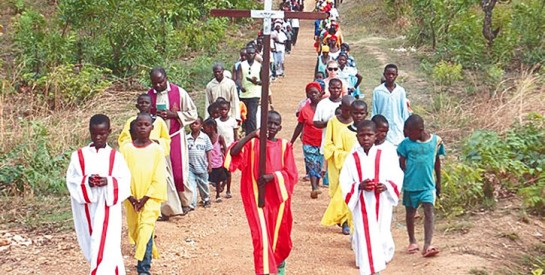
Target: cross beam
(267,14)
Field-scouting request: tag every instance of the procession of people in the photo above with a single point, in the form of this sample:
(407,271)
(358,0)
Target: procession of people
(368,163)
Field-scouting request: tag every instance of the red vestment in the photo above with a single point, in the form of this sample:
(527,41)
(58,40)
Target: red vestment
(270,226)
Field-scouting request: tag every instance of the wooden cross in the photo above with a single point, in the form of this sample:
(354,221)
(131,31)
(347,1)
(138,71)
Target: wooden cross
(266,14)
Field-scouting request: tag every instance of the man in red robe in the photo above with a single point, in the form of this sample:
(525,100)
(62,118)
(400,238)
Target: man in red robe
(270,225)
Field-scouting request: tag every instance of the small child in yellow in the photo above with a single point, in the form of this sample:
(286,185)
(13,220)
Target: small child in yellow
(146,161)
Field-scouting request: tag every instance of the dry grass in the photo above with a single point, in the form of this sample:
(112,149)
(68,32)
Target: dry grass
(457,116)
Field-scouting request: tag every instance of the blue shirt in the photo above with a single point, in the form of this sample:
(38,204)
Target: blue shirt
(420,162)
(393,106)
(196,151)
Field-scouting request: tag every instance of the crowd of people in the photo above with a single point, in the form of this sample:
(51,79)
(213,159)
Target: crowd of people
(161,170)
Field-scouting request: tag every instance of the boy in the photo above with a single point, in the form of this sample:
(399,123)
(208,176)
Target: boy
(390,100)
(271,224)
(419,158)
(146,161)
(312,137)
(228,129)
(340,140)
(198,148)
(369,179)
(99,181)
(159,135)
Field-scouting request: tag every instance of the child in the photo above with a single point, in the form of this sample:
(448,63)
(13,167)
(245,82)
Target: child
(228,128)
(271,224)
(146,161)
(419,158)
(99,181)
(199,149)
(218,176)
(312,137)
(213,110)
(369,179)
(159,134)
(338,144)
(390,100)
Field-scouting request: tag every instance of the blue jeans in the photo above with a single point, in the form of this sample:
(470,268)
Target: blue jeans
(199,181)
(144,266)
(250,124)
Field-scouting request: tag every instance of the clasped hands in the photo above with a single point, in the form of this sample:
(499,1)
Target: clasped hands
(372,185)
(138,204)
(97,181)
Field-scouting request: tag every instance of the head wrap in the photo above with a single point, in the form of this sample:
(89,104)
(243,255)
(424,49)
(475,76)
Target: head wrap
(313,85)
(325,48)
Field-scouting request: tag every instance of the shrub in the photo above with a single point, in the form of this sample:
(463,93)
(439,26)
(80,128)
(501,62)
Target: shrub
(445,73)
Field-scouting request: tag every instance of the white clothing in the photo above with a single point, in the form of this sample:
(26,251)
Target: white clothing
(97,210)
(226,129)
(226,89)
(295,23)
(324,111)
(393,106)
(279,37)
(368,214)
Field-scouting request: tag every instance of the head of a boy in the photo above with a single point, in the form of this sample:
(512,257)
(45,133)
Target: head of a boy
(382,128)
(274,124)
(335,88)
(143,103)
(196,126)
(358,110)
(143,126)
(319,75)
(346,106)
(390,73)
(158,77)
(414,127)
(224,107)
(213,110)
(99,128)
(132,129)
(314,92)
(366,134)
(210,126)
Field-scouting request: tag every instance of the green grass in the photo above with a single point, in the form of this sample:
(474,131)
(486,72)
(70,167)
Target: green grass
(41,214)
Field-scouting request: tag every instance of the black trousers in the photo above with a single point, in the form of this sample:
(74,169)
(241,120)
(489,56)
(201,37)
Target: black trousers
(250,124)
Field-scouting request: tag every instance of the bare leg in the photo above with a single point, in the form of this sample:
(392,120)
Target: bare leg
(409,220)
(228,192)
(429,220)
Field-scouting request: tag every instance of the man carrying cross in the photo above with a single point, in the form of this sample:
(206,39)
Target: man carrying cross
(267,190)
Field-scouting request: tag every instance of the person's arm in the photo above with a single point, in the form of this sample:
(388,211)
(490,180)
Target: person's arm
(438,176)
(209,158)
(317,64)
(208,99)
(360,78)
(223,146)
(402,163)
(238,79)
(320,124)
(235,151)
(235,104)
(297,132)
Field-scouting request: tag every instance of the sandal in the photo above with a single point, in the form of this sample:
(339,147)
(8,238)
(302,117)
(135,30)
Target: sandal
(430,252)
(413,248)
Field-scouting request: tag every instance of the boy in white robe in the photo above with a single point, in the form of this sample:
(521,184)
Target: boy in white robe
(99,181)
(366,190)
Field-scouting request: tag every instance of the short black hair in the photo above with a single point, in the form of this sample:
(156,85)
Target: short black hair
(156,70)
(391,66)
(212,122)
(220,99)
(273,112)
(142,95)
(211,107)
(224,103)
(144,115)
(199,118)
(366,124)
(414,120)
(99,119)
(358,103)
(132,127)
(335,80)
(380,119)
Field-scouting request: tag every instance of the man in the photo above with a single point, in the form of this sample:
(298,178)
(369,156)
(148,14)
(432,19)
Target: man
(236,66)
(249,82)
(280,41)
(173,104)
(222,86)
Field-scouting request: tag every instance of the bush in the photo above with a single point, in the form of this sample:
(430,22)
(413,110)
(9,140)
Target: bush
(445,73)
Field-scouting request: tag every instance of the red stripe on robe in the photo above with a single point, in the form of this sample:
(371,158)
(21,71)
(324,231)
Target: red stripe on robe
(84,191)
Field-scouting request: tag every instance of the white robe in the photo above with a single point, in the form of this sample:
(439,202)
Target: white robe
(97,210)
(371,213)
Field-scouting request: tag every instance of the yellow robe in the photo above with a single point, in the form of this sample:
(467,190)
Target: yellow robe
(159,133)
(148,178)
(338,144)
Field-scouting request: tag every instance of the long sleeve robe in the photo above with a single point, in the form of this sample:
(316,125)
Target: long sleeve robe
(393,106)
(271,225)
(368,207)
(97,210)
(148,170)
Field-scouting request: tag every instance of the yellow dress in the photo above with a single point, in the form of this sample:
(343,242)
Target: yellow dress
(148,178)
(159,133)
(338,143)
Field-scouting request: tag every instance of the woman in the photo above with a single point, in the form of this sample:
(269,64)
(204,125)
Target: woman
(331,70)
(321,63)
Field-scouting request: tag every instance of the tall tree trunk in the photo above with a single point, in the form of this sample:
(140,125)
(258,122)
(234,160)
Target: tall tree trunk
(488,33)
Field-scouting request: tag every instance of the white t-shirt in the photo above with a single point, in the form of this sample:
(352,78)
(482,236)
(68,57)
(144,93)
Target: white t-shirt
(295,23)
(225,129)
(324,111)
(281,37)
